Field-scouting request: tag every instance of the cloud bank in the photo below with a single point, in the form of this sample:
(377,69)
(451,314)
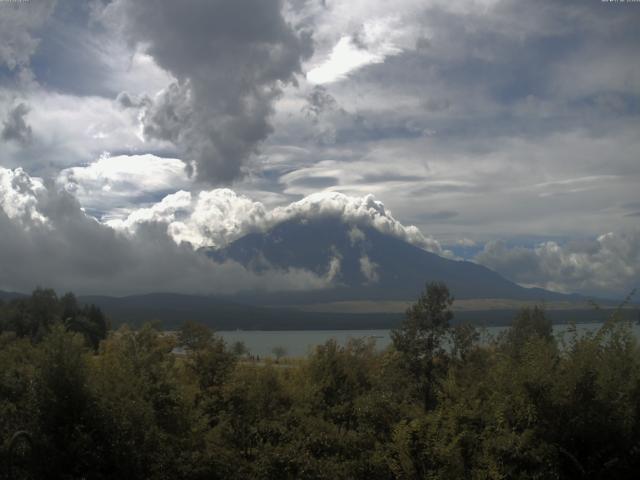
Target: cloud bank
(610,263)
(48,239)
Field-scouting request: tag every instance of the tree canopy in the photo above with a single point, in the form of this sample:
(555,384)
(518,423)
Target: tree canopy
(436,404)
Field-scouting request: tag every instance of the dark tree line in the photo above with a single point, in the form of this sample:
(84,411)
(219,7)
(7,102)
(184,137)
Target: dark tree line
(33,317)
(437,404)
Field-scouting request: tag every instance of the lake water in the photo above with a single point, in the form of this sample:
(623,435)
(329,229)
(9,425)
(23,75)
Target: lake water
(298,343)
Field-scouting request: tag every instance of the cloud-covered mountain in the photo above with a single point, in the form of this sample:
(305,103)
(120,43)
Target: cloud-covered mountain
(362,262)
(214,218)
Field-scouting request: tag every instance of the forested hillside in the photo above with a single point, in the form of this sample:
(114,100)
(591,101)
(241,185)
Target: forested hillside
(437,404)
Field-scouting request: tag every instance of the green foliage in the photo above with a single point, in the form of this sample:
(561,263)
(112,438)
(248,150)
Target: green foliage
(239,349)
(64,404)
(152,405)
(35,316)
(419,340)
(194,336)
(529,325)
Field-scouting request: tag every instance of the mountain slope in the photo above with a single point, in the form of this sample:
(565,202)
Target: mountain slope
(372,265)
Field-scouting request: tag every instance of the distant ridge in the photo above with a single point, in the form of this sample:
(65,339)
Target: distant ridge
(169,310)
(6,296)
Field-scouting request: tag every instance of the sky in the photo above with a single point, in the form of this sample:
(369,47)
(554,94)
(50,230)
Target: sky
(135,132)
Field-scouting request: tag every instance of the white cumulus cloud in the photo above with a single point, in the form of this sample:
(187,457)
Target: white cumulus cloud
(216,217)
(123,179)
(610,263)
(19,196)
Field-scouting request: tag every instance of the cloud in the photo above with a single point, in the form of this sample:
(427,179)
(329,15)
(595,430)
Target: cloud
(15,127)
(63,46)
(480,107)
(370,45)
(230,59)
(319,101)
(114,183)
(19,25)
(465,242)
(70,131)
(610,263)
(126,100)
(369,269)
(364,211)
(19,196)
(356,236)
(48,240)
(217,217)
(207,219)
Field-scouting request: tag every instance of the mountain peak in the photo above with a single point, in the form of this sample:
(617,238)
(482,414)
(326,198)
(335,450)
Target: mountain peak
(360,262)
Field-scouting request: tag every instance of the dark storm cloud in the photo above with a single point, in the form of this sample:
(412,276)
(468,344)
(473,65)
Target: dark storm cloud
(230,59)
(15,127)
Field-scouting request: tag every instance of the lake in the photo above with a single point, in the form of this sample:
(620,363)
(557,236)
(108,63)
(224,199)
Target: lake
(298,343)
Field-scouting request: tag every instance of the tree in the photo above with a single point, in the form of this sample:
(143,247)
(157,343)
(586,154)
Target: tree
(211,363)
(89,321)
(65,406)
(69,306)
(529,324)
(340,375)
(419,340)
(194,336)
(44,309)
(463,338)
(279,352)
(35,316)
(239,348)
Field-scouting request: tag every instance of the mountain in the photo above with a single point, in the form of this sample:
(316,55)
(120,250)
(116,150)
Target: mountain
(372,265)
(371,277)
(7,296)
(170,310)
